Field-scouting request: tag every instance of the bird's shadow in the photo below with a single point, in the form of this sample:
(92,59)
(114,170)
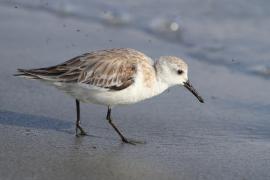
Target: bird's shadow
(33,121)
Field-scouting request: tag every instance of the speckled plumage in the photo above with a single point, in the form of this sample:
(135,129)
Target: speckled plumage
(112,76)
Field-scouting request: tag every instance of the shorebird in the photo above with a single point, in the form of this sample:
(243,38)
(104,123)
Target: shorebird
(113,77)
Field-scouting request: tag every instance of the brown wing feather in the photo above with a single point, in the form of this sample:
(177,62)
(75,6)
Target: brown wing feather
(113,75)
(68,71)
(113,69)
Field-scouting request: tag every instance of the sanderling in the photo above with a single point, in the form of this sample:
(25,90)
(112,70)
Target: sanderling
(113,77)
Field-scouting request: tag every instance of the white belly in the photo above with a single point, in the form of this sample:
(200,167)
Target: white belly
(130,95)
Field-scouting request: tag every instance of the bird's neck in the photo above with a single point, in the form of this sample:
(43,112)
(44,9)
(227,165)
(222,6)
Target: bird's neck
(160,85)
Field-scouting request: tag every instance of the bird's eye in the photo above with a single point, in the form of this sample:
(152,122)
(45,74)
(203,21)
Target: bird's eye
(180,71)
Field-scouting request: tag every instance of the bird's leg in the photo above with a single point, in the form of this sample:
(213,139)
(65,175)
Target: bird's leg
(82,132)
(115,128)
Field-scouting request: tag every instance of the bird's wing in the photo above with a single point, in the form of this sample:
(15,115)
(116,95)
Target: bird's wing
(113,69)
(114,74)
(68,71)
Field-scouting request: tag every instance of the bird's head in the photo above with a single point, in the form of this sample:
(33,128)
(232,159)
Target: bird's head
(174,71)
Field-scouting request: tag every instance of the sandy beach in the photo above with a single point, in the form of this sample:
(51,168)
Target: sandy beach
(228,137)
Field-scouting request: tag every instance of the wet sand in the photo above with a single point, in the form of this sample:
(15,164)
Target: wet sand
(225,138)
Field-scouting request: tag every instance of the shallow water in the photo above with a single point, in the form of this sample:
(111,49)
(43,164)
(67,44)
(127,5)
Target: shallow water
(226,46)
(224,33)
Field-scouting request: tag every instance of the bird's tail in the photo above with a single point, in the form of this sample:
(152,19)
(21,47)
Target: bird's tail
(29,74)
(48,73)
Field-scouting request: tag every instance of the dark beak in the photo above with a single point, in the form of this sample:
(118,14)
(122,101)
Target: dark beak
(193,91)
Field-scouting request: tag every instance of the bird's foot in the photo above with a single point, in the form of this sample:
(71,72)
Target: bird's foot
(82,132)
(132,141)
